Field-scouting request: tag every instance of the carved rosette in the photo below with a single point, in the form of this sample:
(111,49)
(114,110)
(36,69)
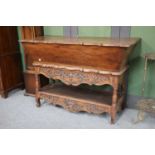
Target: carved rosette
(74,77)
(74,105)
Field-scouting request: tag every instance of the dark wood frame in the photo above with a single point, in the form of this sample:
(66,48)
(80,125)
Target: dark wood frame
(11,76)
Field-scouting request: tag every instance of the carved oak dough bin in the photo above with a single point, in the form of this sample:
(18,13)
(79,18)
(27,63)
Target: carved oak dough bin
(93,61)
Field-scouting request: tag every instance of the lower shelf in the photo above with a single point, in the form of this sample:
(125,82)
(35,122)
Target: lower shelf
(78,93)
(77,99)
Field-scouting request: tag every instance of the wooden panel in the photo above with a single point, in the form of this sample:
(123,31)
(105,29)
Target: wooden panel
(11,71)
(102,58)
(9,44)
(1,86)
(29,79)
(30,32)
(30,84)
(11,75)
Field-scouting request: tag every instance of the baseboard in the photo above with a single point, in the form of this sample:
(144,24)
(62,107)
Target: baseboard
(132,101)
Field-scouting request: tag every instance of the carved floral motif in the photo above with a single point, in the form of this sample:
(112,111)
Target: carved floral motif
(74,105)
(77,77)
(73,77)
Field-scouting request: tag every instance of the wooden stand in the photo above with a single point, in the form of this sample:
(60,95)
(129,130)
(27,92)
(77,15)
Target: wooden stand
(77,99)
(74,61)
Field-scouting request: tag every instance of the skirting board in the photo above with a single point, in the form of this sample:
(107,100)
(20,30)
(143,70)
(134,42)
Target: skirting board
(132,101)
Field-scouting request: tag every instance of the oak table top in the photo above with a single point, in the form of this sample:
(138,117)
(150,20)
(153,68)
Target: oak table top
(100,41)
(89,53)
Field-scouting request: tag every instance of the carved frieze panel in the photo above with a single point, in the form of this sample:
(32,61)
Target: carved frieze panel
(74,77)
(75,105)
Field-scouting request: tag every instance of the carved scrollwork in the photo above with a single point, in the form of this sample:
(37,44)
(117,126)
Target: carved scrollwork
(92,108)
(74,105)
(71,105)
(74,77)
(66,103)
(49,98)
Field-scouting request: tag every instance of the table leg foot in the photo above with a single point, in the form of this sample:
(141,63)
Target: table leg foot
(113,117)
(38,104)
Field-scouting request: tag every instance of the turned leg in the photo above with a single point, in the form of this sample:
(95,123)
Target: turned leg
(113,113)
(37,80)
(124,94)
(114,101)
(113,118)
(38,104)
